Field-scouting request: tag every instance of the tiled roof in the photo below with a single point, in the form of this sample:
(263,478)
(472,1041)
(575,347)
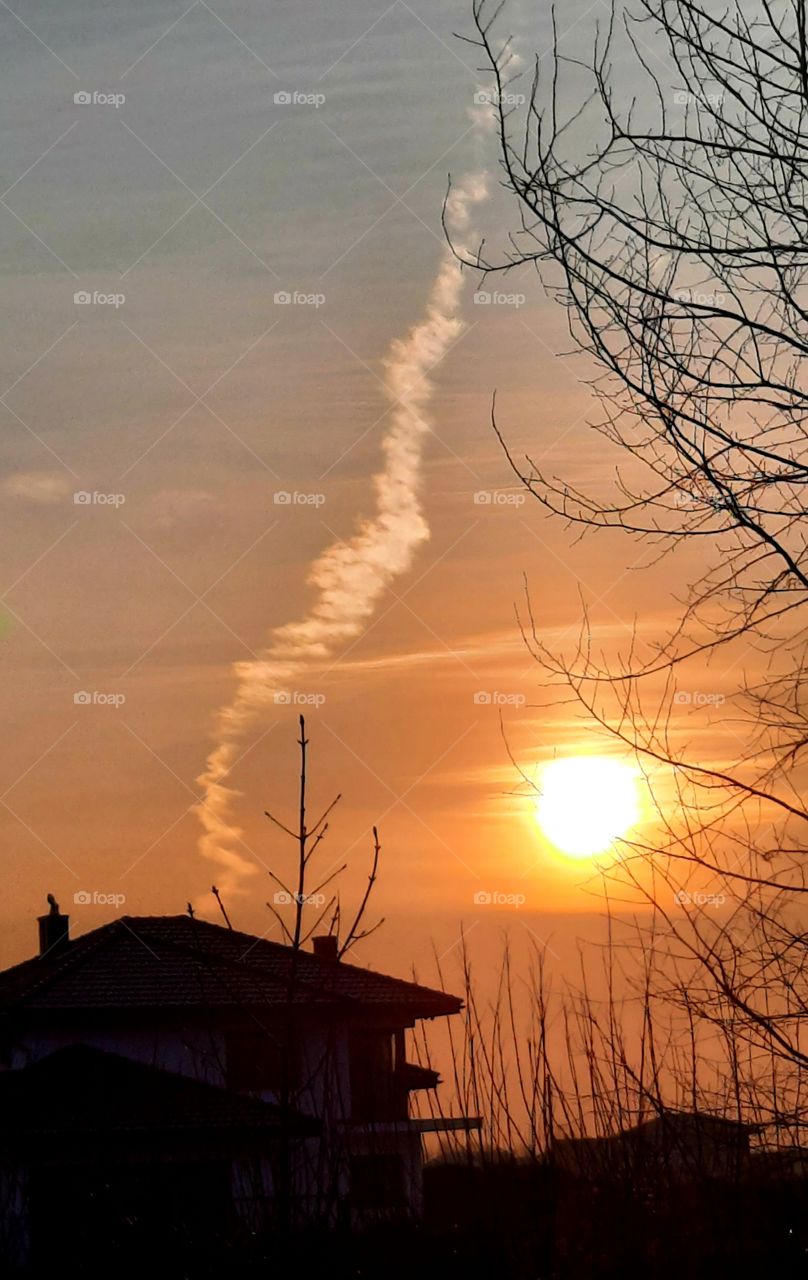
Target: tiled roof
(83,1092)
(180,962)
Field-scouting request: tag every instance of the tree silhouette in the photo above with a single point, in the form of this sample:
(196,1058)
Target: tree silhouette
(670,221)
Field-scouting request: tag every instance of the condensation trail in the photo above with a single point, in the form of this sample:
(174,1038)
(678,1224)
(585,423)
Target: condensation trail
(349,577)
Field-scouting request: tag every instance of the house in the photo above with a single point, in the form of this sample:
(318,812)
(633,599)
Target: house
(785,1162)
(678,1143)
(162,1072)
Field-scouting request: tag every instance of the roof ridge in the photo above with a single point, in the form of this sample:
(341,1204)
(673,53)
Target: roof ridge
(186,947)
(309,956)
(319,963)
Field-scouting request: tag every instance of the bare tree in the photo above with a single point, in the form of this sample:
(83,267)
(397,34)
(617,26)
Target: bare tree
(298,894)
(301,910)
(670,221)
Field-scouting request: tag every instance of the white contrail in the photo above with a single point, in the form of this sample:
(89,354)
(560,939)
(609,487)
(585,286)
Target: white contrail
(349,577)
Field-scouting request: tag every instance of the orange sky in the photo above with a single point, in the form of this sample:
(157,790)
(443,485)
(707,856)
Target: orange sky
(197,400)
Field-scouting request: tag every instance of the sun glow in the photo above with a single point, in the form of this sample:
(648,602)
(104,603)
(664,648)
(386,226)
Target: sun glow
(586,803)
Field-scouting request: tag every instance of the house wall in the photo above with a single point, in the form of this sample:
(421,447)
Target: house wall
(405,1147)
(252,1190)
(14,1234)
(197,1049)
(190,1050)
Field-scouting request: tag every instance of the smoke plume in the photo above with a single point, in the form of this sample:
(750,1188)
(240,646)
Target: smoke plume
(349,577)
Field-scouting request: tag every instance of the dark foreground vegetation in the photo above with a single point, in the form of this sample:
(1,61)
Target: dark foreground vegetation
(512,1220)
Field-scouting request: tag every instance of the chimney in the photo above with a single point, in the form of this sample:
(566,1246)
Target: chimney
(325,947)
(54,930)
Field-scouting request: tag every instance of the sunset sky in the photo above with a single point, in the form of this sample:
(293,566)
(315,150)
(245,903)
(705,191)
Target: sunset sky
(191,398)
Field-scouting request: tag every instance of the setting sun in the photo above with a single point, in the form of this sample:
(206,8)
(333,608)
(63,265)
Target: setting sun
(586,803)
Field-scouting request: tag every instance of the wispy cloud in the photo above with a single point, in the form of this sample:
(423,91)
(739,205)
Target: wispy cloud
(41,487)
(350,576)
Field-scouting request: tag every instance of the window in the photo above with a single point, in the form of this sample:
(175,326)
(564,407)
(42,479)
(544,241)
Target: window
(373,1092)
